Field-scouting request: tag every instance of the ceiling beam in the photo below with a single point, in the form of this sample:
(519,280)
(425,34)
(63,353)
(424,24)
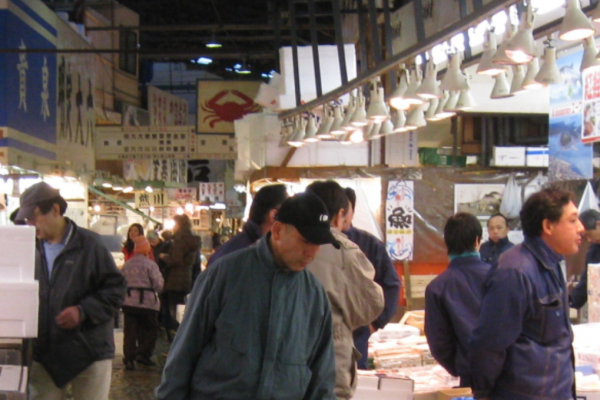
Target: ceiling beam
(255,54)
(206,28)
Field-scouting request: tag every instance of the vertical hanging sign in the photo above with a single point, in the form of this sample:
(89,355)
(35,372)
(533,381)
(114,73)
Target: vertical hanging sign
(399,221)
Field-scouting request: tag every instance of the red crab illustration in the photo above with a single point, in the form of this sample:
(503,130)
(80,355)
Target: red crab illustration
(230,110)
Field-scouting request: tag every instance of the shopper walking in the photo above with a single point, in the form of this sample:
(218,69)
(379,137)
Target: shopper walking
(453,298)
(258,324)
(347,275)
(134,231)
(180,259)
(385,276)
(591,223)
(498,230)
(521,348)
(160,246)
(264,206)
(80,289)
(141,306)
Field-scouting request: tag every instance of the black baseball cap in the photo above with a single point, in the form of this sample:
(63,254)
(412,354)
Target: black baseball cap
(33,196)
(308,214)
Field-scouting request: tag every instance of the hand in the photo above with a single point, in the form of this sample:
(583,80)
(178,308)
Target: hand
(69,318)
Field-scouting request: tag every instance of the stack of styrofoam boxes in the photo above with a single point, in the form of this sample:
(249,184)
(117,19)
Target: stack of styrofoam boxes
(512,156)
(19,300)
(593,289)
(375,388)
(537,156)
(329,67)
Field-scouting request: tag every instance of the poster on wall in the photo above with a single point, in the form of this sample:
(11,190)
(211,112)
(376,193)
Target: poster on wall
(570,156)
(591,106)
(222,102)
(399,220)
(481,200)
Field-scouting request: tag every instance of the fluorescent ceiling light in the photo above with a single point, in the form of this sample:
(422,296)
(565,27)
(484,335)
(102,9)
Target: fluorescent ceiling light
(204,60)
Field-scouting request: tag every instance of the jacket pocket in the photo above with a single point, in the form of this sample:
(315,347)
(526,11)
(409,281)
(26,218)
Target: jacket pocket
(291,380)
(552,318)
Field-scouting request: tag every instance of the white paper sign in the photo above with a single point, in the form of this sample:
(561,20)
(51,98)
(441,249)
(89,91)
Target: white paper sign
(399,221)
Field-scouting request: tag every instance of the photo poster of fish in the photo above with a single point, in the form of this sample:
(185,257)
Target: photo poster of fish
(570,157)
(399,220)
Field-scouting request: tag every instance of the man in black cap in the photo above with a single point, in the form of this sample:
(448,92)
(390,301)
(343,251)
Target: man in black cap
(80,287)
(258,324)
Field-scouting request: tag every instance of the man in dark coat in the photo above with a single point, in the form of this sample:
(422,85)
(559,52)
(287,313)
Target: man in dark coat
(80,289)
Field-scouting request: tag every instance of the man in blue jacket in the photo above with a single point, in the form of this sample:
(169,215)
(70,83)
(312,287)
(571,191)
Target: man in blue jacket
(385,275)
(521,348)
(264,206)
(498,230)
(258,324)
(591,222)
(453,299)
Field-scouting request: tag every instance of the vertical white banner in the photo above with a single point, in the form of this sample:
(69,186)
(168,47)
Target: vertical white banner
(399,220)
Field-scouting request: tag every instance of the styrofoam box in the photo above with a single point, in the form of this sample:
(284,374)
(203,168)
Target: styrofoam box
(13,382)
(17,245)
(537,156)
(588,395)
(512,156)
(19,303)
(373,388)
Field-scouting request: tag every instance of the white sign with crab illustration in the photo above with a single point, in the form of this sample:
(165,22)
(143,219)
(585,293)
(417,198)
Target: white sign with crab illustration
(222,102)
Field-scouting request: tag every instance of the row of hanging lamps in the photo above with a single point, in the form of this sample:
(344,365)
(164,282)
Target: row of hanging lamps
(397,99)
(575,24)
(324,131)
(359,117)
(337,127)
(486,65)
(532,70)
(377,111)
(297,137)
(589,54)
(516,86)
(400,122)
(521,47)
(310,135)
(501,58)
(411,95)
(429,88)
(346,124)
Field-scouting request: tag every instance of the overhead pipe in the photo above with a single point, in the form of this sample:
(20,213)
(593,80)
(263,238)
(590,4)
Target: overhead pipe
(315,47)
(375,32)
(339,40)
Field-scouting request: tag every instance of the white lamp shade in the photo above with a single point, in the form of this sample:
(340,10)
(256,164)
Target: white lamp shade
(439,112)
(397,99)
(429,88)
(575,24)
(400,122)
(452,100)
(516,85)
(387,128)
(549,73)
(521,47)
(454,79)
(430,113)
(359,118)
(345,138)
(589,54)
(486,66)
(311,130)
(349,113)
(377,110)
(415,82)
(501,87)
(326,124)
(297,138)
(465,100)
(337,127)
(416,118)
(532,70)
(358,135)
(501,57)
(375,131)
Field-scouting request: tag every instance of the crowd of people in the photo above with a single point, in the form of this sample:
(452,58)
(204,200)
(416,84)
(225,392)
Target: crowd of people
(286,307)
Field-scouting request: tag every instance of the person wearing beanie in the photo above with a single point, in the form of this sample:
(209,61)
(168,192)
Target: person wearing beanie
(141,305)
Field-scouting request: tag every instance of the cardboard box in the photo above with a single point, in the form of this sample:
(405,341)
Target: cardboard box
(509,156)
(17,263)
(13,382)
(20,320)
(449,394)
(537,156)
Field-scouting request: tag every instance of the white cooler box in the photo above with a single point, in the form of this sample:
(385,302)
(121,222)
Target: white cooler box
(19,302)
(17,263)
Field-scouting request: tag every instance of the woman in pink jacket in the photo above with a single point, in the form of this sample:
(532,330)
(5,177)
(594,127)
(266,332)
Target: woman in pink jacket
(141,305)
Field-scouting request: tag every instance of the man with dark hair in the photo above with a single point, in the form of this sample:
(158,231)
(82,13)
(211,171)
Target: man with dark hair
(521,348)
(347,275)
(498,231)
(262,215)
(591,223)
(453,298)
(258,324)
(385,275)
(80,289)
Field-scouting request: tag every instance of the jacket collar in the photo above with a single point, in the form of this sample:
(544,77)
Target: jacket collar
(252,230)
(502,242)
(548,257)
(72,239)
(265,254)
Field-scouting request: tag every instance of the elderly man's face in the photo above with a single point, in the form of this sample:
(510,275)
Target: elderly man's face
(290,248)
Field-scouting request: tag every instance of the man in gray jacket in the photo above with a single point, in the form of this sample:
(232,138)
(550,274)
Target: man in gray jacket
(347,275)
(80,289)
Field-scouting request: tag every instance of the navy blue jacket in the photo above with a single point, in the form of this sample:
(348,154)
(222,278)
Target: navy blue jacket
(452,305)
(578,295)
(386,276)
(249,235)
(521,348)
(490,251)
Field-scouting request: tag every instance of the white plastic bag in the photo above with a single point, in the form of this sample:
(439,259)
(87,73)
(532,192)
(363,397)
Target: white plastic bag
(511,199)
(588,201)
